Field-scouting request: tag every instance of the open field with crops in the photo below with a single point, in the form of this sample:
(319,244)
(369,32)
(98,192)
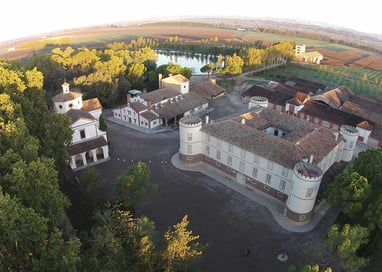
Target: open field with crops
(361,81)
(334,54)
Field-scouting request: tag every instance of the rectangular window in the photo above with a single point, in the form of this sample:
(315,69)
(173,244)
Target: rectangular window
(241,166)
(270,165)
(230,148)
(256,159)
(218,155)
(282,185)
(229,160)
(268,178)
(207,149)
(254,172)
(207,138)
(242,153)
(309,192)
(82,134)
(285,172)
(189,136)
(189,149)
(218,142)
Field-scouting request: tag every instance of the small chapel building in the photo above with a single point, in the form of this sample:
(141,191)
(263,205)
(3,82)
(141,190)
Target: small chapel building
(89,144)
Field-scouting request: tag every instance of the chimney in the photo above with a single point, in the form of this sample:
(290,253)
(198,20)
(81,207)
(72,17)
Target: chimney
(243,121)
(311,159)
(128,96)
(160,77)
(149,105)
(213,80)
(207,119)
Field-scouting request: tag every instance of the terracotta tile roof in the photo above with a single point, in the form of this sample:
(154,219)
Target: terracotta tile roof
(175,79)
(273,95)
(160,94)
(286,151)
(86,146)
(149,115)
(138,106)
(63,97)
(91,104)
(365,125)
(207,89)
(295,101)
(75,115)
(332,115)
(295,128)
(353,108)
(303,85)
(335,97)
(189,102)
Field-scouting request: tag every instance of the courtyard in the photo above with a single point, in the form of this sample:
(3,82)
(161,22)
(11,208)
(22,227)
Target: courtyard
(228,221)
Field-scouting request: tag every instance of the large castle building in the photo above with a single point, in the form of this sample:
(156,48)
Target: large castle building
(89,144)
(279,154)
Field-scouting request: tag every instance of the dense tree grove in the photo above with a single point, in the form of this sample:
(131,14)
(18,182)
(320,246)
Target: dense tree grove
(358,195)
(30,197)
(108,72)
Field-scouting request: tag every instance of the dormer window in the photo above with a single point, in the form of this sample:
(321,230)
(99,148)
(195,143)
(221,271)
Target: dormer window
(70,105)
(60,107)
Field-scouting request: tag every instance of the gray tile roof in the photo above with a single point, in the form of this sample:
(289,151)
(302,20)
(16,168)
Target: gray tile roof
(75,115)
(86,146)
(189,102)
(301,140)
(63,97)
(160,94)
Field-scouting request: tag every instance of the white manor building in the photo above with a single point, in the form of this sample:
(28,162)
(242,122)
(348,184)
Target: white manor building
(174,99)
(89,144)
(281,155)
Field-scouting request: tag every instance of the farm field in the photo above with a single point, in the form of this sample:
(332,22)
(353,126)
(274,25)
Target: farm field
(361,81)
(334,54)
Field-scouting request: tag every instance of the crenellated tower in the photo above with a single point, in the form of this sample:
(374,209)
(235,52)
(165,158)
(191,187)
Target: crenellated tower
(306,183)
(191,142)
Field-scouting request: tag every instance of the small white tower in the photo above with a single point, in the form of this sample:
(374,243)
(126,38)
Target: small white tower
(65,87)
(190,139)
(350,135)
(67,100)
(306,183)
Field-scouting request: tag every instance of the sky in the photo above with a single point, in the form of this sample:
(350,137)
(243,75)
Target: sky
(21,18)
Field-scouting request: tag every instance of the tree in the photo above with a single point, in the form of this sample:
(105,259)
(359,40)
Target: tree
(345,243)
(28,244)
(90,179)
(118,241)
(373,213)
(181,247)
(208,68)
(372,171)
(134,184)
(135,74)
(350,191)
(36,185)
(232,65)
